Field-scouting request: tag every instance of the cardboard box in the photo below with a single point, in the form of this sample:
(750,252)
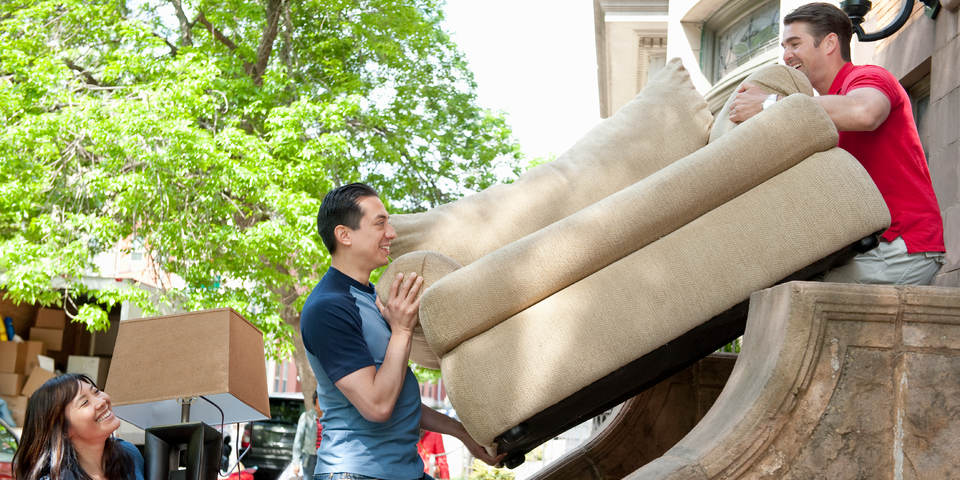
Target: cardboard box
(93,367)
(11,383)
(37,377)
(12,357)
(31,349)
(51,337)
(51,318)
(18,407)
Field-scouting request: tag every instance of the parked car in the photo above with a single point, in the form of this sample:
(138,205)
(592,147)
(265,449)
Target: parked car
(271,441)
(8,446)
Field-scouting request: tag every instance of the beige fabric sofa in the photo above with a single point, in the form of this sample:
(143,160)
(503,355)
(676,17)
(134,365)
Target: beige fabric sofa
(571,298)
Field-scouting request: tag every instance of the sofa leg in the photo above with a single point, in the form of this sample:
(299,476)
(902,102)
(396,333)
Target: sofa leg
(514,460)
(866,244)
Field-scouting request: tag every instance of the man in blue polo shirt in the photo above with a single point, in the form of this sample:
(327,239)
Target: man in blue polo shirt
(358,349)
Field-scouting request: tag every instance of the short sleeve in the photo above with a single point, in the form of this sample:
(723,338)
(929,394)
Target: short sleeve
(869,76)
(333,333)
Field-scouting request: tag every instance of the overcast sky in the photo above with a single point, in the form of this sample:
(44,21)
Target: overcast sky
(536,61)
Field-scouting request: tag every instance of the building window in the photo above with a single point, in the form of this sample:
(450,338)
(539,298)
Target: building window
(731,39)
(276,377)
(748,37)
(652,57)
(919,94)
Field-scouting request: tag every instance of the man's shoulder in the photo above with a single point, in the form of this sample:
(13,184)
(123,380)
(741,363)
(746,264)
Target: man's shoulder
(875,72)
(323,304)
(877,78)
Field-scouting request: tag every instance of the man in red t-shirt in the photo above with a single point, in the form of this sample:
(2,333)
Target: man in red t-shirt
(873,115)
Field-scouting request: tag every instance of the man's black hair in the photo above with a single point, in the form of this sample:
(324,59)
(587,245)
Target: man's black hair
(824,19)
(340,207)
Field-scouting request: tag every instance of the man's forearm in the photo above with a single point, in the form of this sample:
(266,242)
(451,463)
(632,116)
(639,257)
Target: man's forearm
(373,391)
(389,378)
(435,421)
(388,381)
(862,110)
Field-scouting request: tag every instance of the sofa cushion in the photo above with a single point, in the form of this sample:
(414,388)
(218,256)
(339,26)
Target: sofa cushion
(520,274)
(530,361)
(779,79)
(432,266)
(665,122)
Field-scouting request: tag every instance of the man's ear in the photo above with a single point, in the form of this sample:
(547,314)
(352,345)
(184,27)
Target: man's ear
(342,234)
(831,43)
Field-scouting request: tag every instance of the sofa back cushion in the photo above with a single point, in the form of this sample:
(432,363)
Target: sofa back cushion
(666,121)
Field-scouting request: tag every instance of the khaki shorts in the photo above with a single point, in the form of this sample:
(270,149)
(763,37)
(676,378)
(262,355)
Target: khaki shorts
(889,263)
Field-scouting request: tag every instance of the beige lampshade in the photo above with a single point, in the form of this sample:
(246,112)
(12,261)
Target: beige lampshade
(214,353)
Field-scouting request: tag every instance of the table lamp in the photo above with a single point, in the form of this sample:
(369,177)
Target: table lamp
(176,375)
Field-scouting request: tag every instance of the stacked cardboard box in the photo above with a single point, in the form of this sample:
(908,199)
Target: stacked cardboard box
(37,378)
(49,327)
(18,367)
(10,383)
(20,357)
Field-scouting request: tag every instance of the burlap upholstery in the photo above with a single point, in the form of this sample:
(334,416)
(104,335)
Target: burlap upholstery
(522,273)
(562,344)
(613,250)
(779,79)
(666,121)
(431,266)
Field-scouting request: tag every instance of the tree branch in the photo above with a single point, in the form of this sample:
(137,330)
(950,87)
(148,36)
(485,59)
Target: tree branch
(173,48)
(285,51)
(186,37)
(274,9)
(87,77)
(217,34)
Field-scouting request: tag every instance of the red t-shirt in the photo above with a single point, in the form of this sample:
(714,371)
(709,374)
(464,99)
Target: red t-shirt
(893,156)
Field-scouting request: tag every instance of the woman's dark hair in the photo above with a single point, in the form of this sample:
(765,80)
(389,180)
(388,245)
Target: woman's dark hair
(823,19)
(339,207)
(45,448)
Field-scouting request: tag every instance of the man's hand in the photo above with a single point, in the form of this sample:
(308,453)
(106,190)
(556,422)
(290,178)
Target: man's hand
(296,469)
(435,421)
(402,310)
(747,102)
(478,451)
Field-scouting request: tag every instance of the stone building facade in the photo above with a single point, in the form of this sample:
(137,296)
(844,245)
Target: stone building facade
(721,42)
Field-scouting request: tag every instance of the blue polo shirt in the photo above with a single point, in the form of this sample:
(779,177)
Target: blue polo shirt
(343,332)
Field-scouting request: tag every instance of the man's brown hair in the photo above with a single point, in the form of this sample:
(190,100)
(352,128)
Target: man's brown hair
(824,19)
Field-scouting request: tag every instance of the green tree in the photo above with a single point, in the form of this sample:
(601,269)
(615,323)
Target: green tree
(208,131)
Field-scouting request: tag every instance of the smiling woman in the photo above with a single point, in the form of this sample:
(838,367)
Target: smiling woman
(68,435)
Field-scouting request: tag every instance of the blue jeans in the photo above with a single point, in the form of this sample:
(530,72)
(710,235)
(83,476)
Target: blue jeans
(353,476)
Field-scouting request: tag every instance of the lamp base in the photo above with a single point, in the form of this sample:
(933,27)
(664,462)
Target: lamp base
(188,451)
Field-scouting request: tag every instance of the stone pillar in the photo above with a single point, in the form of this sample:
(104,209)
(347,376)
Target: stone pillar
(834,381)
